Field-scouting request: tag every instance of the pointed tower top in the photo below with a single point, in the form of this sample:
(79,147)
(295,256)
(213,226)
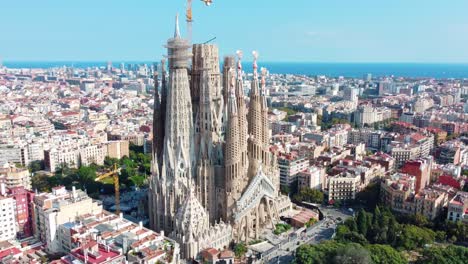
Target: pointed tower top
(177,30)
(239,63)
(255,67)
(232,103)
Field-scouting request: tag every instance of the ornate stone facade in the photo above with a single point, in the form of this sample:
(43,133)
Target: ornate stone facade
(214,179)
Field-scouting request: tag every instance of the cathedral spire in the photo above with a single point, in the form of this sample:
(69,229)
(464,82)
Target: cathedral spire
(255,67)
(177,154)
(239,64)
(255,88)
(242,115)
(232,104)
(177,29)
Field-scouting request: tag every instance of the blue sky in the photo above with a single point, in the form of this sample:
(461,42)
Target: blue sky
(294,30)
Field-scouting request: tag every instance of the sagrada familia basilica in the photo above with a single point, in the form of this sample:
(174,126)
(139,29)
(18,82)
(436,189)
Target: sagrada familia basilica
(214,179)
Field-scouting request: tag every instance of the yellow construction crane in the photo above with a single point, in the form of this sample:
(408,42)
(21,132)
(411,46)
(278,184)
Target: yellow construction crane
(114,173)
(189,20)
(207,2)
(189,17)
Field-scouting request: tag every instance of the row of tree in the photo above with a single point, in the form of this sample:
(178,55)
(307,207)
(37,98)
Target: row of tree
(134,172)
(380,237)
(381,227)
(332,251)
(309,195)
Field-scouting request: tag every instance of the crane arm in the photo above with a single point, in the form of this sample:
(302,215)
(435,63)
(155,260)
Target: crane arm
(115,175)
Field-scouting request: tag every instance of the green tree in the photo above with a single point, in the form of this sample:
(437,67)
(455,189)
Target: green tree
(446,255)
(309,195)
(138,180)
(392,231)
(413,237)
(285,190)
(373,232)
(458,230)
(109,162)
(440,236)
(351,224)
(384,254)
(420,220)
(352,254)
(281,228)
(86,174)
(352,237)
(36,165)
(240,249)
(362,222)
(322,253)
(41,183)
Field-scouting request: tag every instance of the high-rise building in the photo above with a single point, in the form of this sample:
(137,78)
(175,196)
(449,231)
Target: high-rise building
(290,166)
(23,210)
(8,219)
(212,168)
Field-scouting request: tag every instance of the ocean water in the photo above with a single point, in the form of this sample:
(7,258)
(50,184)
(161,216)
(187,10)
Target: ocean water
(357,70)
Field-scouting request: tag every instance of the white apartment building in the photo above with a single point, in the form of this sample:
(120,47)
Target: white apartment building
(74,155)
(14,153)
(422,104)
(458,208)
(36,151)
(59,207)
(403,153)
(289,167)
(367,115)
(312,178)
(7,217)
(343,186)
(338,138)
(279,127)
(92,154)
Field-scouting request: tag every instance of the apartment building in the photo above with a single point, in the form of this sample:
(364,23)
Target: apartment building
(290,165)
(7,216)
(14,153)
(458,208)
(343,186)
(57,208)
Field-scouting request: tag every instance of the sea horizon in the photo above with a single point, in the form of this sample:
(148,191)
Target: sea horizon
(445,70)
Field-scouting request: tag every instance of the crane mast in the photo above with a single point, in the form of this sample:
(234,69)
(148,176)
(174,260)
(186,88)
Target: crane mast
(189,20)
(114,173)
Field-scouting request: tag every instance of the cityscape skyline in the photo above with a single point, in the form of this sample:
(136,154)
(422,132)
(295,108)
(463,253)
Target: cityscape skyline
(330,32)
(208,153)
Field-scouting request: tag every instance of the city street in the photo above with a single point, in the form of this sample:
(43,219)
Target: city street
(323,230)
